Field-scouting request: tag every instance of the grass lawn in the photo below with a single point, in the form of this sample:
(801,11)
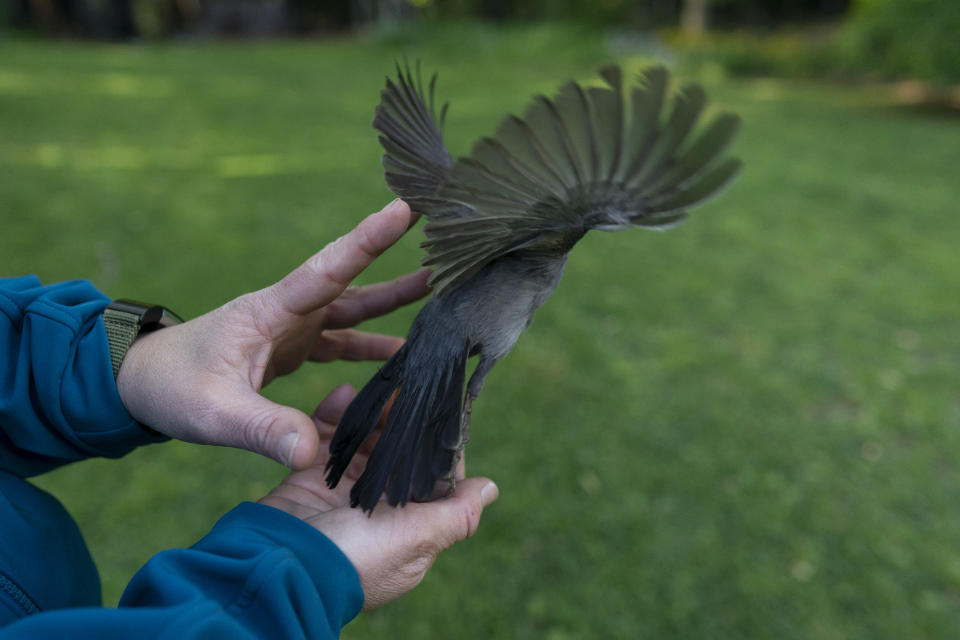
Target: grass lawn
(746,427)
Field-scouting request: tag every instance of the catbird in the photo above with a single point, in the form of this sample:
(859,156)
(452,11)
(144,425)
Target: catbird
(500,224)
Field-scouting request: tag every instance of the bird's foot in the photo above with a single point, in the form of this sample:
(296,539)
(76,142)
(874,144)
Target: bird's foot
(451,482)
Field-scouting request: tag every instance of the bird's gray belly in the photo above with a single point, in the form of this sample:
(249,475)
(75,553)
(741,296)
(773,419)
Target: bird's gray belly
(498,303)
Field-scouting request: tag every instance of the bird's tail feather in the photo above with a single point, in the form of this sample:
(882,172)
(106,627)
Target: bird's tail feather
(418,442)
(422,430)
(360,418)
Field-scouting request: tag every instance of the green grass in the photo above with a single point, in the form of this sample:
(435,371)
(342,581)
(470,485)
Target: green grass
(746,427)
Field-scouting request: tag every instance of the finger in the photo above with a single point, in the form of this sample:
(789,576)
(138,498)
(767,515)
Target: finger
(456,518)
(331,408)
(375,300)
(355,346)
(322,278)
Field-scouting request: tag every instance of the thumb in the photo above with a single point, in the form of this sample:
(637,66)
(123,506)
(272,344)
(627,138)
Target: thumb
(456,518)
(276,431)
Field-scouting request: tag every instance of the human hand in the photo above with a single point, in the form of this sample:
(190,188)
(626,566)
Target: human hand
(200,381)
(392,548)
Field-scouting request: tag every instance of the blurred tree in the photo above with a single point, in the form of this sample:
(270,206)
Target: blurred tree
(245,18)
(693,18)
(109,19)
(775,13)
(328,15)
(161,18)
(57,16)
(15,13)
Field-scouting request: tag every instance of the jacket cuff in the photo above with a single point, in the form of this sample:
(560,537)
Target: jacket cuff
(89,400)
(58,398)
(333,575)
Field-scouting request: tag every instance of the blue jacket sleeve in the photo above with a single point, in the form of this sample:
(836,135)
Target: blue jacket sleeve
(260,573)
(58,399)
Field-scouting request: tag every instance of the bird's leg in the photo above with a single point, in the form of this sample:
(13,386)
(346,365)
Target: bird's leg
(451,476)
(473,390)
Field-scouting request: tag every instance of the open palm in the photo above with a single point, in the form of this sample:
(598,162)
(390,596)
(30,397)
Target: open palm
(392,548)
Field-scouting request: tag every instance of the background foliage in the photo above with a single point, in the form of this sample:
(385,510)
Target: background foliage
(846,39)
(152,18)
(748,426)
(908,38)
(879,40)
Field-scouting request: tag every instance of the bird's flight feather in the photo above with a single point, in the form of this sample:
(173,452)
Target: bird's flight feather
(594,157)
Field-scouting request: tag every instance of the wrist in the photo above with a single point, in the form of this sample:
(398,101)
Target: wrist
(134,383)
(130,325)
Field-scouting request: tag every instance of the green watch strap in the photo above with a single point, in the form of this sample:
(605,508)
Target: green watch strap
(126,320)
(122,329)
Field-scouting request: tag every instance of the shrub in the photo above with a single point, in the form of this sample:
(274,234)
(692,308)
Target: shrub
(907,38)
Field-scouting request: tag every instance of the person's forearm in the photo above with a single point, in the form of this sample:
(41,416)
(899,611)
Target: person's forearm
(58,398)
(260,573)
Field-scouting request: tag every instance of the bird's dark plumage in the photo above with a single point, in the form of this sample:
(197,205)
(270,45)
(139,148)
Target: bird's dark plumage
(500,223)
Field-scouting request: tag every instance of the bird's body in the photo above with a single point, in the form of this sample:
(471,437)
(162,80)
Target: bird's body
(501,224)
(491,315)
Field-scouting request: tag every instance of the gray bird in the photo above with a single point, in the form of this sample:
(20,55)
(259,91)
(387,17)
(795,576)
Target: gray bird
(500,224)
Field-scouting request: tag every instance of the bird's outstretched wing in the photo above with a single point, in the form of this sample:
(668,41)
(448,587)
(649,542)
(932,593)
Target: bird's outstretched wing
(589,158)
(416,160)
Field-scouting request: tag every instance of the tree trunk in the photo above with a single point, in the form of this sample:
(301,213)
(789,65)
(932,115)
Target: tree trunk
(693,18)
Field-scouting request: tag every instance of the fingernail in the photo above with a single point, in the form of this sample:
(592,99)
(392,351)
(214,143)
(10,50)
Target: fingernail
(288,444)
(489,493)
